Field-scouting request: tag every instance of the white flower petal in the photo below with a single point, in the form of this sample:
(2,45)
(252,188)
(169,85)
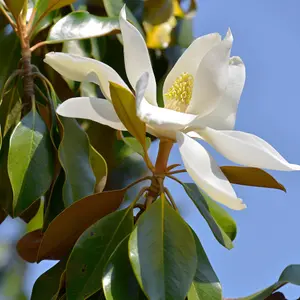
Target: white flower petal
(211,79)
(191,58)
(95,109)
(246,149)
(224,115)
(161,118)
(137,60)
(205,172)
(79,68)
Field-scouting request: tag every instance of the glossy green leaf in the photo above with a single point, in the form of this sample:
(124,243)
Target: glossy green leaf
(37,221)
(30,161)
(206,284)
(118,280)
(290,274)
(43,7)
(15,6)
(10,109)
(135,145)
(251,177)
(6,194)
(74,155)
(162,252)
(99,167)
(124,104)
(113,9)
(47,284)
(82,25)
(220,222)
(92,251)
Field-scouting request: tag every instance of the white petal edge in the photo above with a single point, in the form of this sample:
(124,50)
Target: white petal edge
(206,174)
(211,79)
(136,56)
(191,58)
(95,109)
(78,68)
(223,117)
(246,149)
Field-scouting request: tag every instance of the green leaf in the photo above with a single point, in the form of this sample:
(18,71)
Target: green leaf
(47,285)
(158,11)
(37,221)
(6,194)
(290,274)
(220,222)
(10,109)
(74,155)
(125,107)
(30,161)
(206,284)
(251,177)
(66,228)
(43,7)
(118,280)
(185,32)
(135,145)
(82,25)
(92,251)
(162,252)
(113,9)
(9,54)
(15,6)
(99,167)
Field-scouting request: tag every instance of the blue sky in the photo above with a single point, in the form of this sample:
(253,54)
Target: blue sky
(267,38)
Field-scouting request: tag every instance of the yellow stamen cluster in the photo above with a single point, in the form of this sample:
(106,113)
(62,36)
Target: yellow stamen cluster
(180,93)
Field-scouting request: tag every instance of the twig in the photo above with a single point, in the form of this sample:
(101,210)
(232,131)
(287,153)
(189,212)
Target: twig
(9,19)
(138,181)
(169,168)
(171,199)
(37,45)
(174,178)
(177,172)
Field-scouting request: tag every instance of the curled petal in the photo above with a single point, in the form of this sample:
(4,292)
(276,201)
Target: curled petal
(161,118)
(137,60)
(211,79)
(246,149)
(206,174)
(224,115)
(80,68)
(191,58)
(95,109)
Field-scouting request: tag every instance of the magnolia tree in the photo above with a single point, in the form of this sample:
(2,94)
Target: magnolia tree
(85,88)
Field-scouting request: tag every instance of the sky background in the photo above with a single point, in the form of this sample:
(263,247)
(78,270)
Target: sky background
(267,38)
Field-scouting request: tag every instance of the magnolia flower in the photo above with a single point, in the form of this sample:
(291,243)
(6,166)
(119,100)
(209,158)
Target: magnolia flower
(201,96)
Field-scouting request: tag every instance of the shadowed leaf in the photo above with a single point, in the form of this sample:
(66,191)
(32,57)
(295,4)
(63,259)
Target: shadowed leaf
(66,228)
(29,244)
(251,177)
(92,251)
(220,222)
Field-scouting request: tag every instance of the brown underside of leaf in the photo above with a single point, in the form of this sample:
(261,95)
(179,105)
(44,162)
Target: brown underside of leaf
(251,177)
(66,228)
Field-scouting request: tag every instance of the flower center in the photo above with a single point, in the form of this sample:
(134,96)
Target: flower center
(179,94)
